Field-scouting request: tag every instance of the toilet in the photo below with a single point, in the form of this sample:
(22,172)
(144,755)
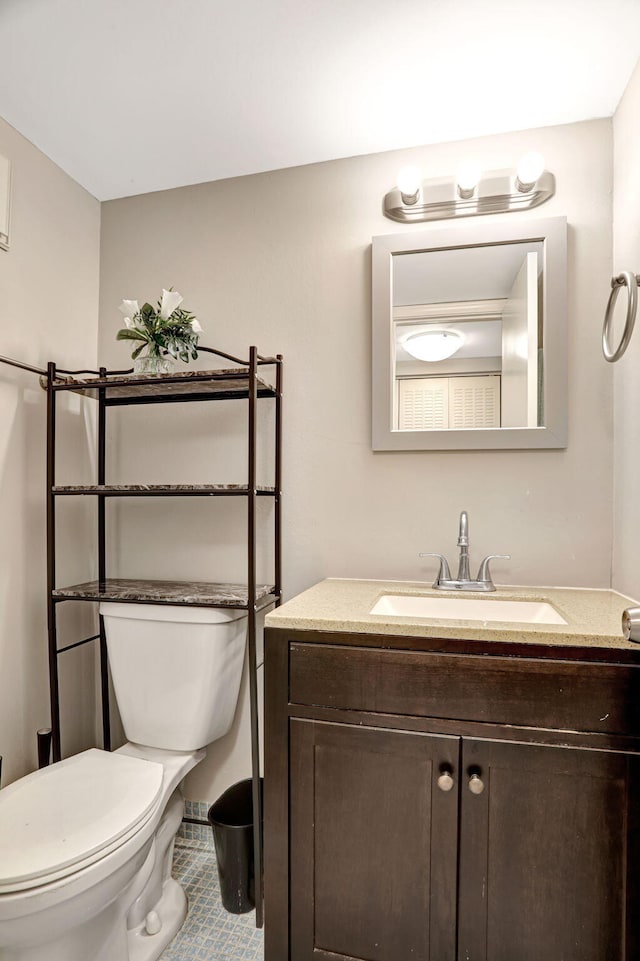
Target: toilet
(86,845)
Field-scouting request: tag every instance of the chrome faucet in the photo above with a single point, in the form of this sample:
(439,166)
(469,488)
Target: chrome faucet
(464,582)
(463,544)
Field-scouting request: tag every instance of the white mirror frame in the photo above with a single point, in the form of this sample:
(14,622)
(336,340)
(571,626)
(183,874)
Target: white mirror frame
(553,232)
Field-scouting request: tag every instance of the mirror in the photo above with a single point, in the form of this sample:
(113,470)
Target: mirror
(469,338)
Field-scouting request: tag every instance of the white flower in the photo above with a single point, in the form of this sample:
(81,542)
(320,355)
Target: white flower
(128,322)
(170,300)
(195,326)
(129,308)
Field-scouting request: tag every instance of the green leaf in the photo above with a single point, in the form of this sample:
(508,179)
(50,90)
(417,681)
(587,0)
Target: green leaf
(128,333)
(137,351)
(148,323)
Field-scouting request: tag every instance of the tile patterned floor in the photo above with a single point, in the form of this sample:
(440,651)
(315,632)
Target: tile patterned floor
(210,933)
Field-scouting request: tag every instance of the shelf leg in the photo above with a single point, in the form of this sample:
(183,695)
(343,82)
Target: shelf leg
(278,486)
(251,636)
(102,563)
(54,688)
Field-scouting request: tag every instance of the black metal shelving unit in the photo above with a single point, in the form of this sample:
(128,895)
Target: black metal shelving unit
(124,388)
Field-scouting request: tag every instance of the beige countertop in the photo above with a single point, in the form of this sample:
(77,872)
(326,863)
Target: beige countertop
(339,605)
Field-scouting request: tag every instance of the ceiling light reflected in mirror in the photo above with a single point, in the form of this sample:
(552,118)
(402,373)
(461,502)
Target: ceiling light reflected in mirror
(433,345)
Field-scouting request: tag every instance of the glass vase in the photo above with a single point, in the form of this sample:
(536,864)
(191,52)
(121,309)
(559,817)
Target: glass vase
(153,363)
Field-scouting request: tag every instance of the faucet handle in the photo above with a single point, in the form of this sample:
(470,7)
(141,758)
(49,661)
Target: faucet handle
(444,573)
(484,574)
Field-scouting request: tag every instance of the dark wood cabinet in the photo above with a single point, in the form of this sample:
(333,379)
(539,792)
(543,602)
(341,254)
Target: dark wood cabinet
(547,853)
(375,841)
(457,831)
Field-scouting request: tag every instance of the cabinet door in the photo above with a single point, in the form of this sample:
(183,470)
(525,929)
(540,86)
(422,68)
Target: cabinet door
(373,844)
(548,854)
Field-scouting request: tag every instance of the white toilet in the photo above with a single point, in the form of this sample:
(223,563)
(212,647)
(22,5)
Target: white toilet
(86,844)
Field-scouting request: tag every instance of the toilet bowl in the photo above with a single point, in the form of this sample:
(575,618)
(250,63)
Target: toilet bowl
(86,844)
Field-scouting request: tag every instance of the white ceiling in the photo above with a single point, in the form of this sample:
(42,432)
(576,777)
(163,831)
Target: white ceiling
(459,273)
(130,96)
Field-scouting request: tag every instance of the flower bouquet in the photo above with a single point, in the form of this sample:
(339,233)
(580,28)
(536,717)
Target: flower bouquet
(163,333)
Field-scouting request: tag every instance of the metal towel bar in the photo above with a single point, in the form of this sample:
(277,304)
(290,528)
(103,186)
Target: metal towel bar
(630,281)
(23,366)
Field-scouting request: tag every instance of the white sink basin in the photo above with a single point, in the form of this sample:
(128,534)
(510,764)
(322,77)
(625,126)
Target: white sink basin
(467,609)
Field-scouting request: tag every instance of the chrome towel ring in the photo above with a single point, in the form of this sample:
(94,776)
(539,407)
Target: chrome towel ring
(630,281)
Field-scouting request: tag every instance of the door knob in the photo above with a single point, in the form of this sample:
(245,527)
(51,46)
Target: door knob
(445,781)
(476,784)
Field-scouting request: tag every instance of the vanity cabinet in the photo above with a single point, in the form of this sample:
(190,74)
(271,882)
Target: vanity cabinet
(432,806)
(545,853)
(375,841)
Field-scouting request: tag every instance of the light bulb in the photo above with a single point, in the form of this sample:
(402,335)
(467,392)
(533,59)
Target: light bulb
(529,168)
(409,183)
(467,178)
(433,345)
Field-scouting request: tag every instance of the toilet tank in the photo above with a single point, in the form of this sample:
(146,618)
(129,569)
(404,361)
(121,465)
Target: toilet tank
(176,671)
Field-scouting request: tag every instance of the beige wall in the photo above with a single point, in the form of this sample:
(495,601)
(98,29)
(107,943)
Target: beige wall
(626,256)
(283,260)
(48,311)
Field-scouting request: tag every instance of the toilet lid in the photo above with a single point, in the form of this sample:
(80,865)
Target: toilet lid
(66,814)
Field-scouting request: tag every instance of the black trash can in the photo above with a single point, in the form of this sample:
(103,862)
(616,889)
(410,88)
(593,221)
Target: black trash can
(231,818)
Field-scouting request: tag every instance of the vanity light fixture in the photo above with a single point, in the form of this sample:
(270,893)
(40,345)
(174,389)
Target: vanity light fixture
(409,182)
(467,179)
(433,345)
(470,193)
(529,169)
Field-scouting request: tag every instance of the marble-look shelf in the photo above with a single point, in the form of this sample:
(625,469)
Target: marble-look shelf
(195,593)
(180,385)
(161,490)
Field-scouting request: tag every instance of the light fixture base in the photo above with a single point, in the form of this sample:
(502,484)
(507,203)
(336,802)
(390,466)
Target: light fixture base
(496,193)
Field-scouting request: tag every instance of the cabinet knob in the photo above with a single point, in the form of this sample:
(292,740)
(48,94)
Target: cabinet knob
(445,781)
(476,784)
